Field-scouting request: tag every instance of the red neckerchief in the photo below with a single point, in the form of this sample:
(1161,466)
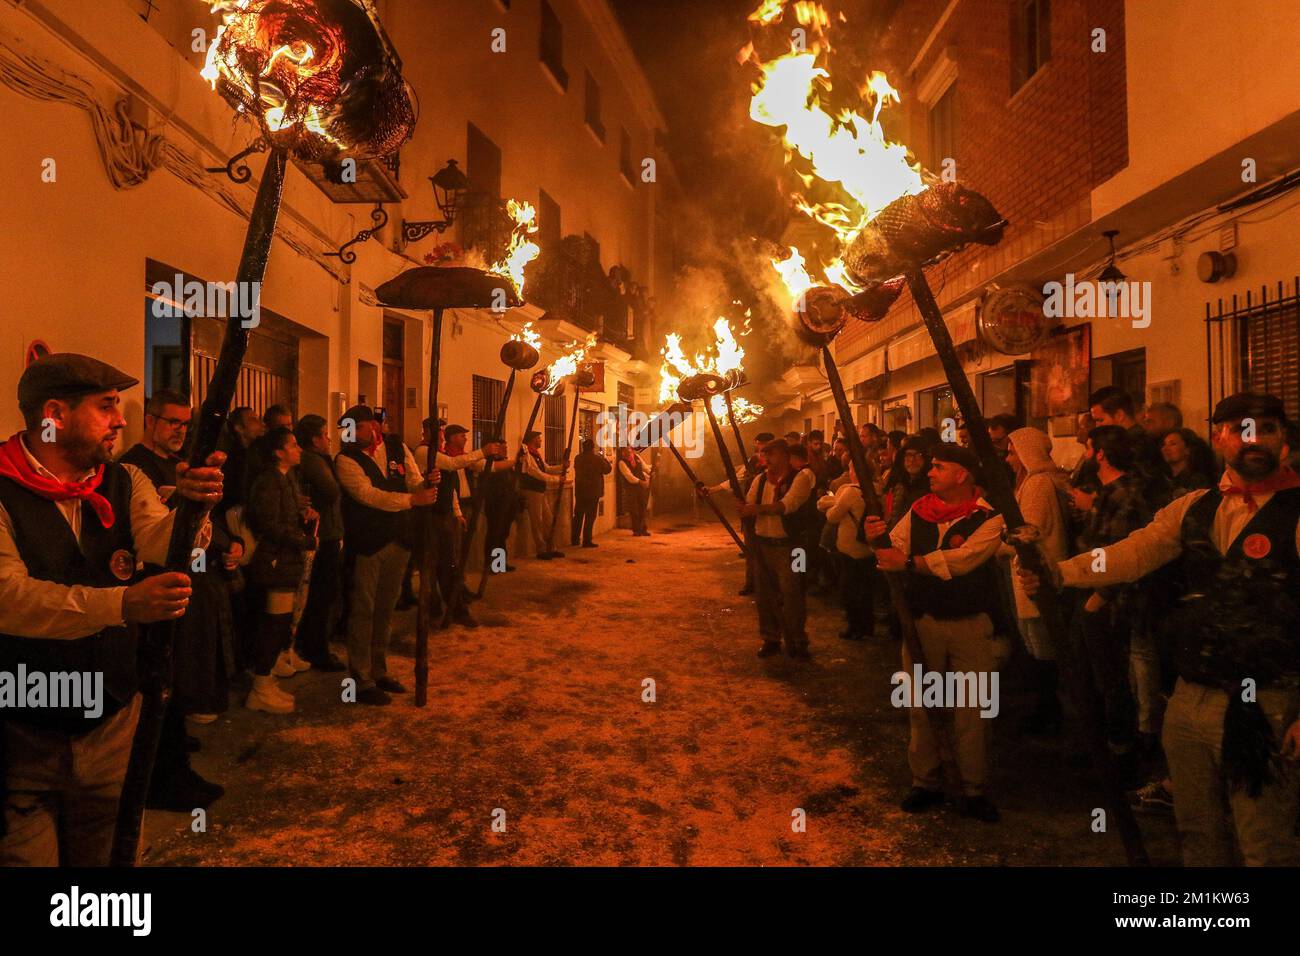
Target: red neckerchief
(1280,480)
(375,442)
(15,466)
(933,509)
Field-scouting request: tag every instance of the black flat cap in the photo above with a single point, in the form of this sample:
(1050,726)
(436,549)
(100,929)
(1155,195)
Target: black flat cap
(1248,405)
(958,455)
(451,431)
(357,414)
(68,375)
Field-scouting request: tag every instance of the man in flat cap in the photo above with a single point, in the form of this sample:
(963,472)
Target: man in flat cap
(1231,730)
(946,545)
(74,528)
(381,483)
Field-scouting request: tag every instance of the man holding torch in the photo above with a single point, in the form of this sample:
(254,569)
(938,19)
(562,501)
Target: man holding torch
(1232,728)
(74,527)
(946,544)
(536,479)
(776,494)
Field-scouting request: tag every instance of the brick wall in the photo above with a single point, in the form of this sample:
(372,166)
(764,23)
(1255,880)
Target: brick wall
(1036,154)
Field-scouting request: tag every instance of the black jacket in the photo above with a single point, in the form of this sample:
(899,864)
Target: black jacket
(589,471)
(272,514)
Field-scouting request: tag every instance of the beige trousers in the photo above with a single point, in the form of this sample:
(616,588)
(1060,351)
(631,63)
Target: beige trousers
(965,644)
(540,517)
(64,790)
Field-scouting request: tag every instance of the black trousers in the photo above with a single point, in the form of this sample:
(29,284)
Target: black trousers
(1105,636)
(323,591)
(856,594)
(274,632)
(584,518)
(637,497)
(499,511)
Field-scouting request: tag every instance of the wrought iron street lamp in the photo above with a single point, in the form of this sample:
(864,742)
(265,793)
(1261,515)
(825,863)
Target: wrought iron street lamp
(449,188)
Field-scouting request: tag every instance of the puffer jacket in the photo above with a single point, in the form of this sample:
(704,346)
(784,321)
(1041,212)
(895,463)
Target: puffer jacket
(272,514)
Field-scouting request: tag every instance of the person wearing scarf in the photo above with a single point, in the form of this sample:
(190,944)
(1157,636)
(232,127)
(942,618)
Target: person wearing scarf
(75,527)
(1231,728)
(946,544)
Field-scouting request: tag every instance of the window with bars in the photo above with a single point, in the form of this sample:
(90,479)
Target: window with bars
(487,395)
(1252,343)
(553,431)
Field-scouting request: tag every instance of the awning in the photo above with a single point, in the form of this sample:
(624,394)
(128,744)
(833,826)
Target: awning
(917,345)
(867,367)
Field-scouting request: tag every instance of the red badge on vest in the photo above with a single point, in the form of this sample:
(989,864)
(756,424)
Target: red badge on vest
(1256,546)
(956,541)
(122,564)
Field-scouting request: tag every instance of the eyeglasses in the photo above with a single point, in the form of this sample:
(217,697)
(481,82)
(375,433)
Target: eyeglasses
(916,455)
(174,422)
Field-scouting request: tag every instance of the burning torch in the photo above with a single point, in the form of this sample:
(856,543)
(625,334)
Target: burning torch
(518,355)
(893,249)
(322,83)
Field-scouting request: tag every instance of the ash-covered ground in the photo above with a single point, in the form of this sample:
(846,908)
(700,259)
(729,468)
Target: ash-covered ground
(540,713)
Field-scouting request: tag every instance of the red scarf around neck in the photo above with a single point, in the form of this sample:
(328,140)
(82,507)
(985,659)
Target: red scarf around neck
(15,466)
(935,510)
(1280,480)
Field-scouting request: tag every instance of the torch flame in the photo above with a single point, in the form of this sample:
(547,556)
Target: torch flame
(522,250)
(528,335)
(744,410)
(568,363)
(849,151)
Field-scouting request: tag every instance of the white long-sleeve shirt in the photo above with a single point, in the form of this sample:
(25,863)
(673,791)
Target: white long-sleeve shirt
(801,487)
(629,476)
(533,470)
(353,480)
(33,608)
(948,563)
(1160,542)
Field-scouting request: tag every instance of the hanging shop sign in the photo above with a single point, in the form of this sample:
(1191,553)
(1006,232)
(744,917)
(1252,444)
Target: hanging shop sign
(1011,320)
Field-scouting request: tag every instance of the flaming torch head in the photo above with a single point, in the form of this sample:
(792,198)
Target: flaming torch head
(541,382)
(319,76)
(702,386)
(519,355)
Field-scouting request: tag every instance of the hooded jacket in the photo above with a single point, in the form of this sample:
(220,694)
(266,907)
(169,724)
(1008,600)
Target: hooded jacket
(1040,502)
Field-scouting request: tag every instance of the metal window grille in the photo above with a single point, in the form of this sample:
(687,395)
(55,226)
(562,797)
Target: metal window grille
(553,435)
(1254,345)
(487,395)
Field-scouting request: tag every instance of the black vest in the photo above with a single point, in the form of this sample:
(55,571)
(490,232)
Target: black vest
(526,481)
(51,552)
(369,530)
(965,595)
(635,466)
(1239,615)
(800,522)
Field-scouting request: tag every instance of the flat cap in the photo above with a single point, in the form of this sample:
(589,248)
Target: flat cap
(451,431)
(68,375)
(1248,405)
(357,414)
(958,455)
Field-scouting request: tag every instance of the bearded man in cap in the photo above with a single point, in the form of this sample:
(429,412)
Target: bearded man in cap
(74,528)
(1232,728)
(946,544)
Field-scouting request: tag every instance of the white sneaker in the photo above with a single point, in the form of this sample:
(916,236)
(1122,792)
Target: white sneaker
(283,666)
(297,662)
(264,697)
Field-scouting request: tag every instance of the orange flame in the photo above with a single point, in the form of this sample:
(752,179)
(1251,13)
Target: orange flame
(522,250)
(528,335)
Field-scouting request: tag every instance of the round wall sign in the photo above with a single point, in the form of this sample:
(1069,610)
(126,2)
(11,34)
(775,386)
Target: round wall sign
(1011,320)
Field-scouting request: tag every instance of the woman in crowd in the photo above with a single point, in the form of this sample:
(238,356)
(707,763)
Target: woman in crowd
(908,479)
(275,516)
(1188,461)
(844,510)
(1041,502)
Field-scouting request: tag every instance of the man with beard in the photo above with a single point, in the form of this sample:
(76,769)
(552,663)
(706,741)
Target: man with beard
(1106,623)
(73,525)
(1231,733)
(200,667)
